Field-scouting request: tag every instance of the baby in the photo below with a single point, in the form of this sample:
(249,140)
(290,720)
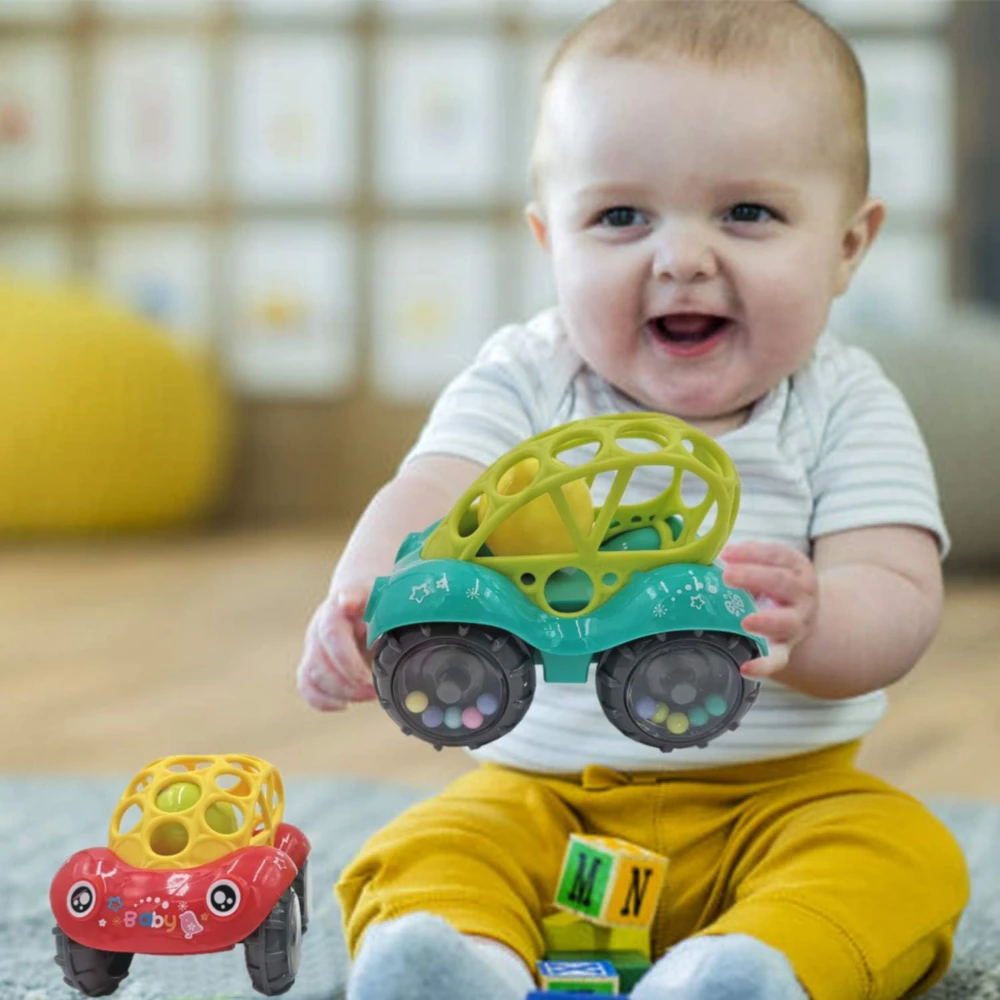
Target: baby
(701,185)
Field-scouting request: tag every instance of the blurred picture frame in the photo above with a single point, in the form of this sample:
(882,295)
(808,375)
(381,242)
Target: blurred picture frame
(157,9)
(164,272)
(422,9)
(292,329)
(910,99)
(903,284)
(151,120)
(437,133)
(536,284)
(294,113)
(35,150)
(434,302)
(884,13)
(43,253)
(267,10)
(562,11)
(35,11)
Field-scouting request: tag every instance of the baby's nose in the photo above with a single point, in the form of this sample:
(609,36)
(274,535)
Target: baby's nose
(683,254)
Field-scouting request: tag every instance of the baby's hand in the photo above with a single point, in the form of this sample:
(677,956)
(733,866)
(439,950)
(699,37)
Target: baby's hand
(336,667)
(783,583)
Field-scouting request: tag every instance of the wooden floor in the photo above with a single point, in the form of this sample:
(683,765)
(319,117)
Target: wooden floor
(111,655)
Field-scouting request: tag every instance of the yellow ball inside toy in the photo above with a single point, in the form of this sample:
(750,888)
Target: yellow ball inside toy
(536,528)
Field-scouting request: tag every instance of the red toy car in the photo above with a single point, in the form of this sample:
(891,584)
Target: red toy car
(206,865)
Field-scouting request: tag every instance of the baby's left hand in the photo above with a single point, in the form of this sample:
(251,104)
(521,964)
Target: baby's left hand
(783,583)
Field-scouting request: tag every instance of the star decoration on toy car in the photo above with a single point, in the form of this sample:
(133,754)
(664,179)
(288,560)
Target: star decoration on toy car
(697,601)
(115,904)
(423,589)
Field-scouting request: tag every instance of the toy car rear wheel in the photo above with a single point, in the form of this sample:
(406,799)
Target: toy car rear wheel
(303,889)
(274,949)
(678,689)
(454,684)
(93,972)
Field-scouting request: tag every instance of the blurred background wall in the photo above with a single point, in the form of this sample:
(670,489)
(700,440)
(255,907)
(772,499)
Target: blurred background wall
(327,195)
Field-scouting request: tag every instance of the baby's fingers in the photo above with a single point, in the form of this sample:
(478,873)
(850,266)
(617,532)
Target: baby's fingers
(351,602)
(766,666)
(779,583)
(775,624)
(333,669)
(343,646)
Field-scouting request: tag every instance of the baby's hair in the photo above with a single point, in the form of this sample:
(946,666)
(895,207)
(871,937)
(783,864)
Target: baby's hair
(730,34)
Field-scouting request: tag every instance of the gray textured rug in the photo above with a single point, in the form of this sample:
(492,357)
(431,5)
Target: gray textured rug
(43,821)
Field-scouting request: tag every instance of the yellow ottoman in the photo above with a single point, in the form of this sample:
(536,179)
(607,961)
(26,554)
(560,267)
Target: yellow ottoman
(105,422)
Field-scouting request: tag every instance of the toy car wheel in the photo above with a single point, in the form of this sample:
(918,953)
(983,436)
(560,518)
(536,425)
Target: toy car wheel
(94,973)
(303,889)
(454,684)
(274,950)
(677,689)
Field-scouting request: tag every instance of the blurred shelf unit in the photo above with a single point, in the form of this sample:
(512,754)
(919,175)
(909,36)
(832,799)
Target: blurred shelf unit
(328,193)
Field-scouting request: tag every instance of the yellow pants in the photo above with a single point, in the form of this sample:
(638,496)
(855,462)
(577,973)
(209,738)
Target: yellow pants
(854,881)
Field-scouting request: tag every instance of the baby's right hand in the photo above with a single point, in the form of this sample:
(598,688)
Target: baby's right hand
(336,667)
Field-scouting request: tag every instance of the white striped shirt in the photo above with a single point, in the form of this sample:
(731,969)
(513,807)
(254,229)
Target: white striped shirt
(831,448)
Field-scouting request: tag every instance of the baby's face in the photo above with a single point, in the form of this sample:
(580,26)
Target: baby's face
(698,222)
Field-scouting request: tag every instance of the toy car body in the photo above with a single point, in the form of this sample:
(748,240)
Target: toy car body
(108,909)
(457,629)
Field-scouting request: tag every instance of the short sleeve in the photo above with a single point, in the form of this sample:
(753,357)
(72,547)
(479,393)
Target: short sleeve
(505,396)
(872,467)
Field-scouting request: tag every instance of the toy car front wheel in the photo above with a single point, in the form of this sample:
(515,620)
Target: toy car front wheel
(677,689)
(274,950)
(453,684)
(94,973)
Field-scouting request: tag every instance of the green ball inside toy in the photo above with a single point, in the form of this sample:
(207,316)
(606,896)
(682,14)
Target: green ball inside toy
(179,796)
(171,838)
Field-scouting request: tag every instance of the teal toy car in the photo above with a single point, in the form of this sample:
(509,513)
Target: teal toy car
(525,571)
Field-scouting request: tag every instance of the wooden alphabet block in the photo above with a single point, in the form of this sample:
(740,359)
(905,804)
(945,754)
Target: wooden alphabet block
(565,931)
(578,977)
(610,881)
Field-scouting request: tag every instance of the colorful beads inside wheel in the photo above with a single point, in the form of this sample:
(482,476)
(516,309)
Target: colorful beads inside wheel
(433,717)
(416,702)
(698,716)
(472,718)
(678,723)
(716,705)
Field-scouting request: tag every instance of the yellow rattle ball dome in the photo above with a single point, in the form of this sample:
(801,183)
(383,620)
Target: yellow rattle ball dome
(536,528)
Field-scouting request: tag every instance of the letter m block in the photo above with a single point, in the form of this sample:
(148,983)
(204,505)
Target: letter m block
(610,881)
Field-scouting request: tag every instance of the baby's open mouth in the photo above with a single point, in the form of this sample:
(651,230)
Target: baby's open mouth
(689,334)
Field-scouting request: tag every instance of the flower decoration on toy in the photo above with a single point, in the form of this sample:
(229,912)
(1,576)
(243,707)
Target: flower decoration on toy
(591,542)
(198,860)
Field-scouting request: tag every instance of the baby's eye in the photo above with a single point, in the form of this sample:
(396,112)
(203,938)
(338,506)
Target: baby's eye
(621,217)
(747,211)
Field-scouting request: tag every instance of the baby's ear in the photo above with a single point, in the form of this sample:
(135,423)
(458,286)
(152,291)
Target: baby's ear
(536,223)
(858,238)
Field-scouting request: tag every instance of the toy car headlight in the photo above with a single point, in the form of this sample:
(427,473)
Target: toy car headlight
(223,897)
(81,900)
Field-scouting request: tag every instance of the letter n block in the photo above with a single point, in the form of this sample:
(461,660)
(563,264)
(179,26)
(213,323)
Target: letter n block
(610,881)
